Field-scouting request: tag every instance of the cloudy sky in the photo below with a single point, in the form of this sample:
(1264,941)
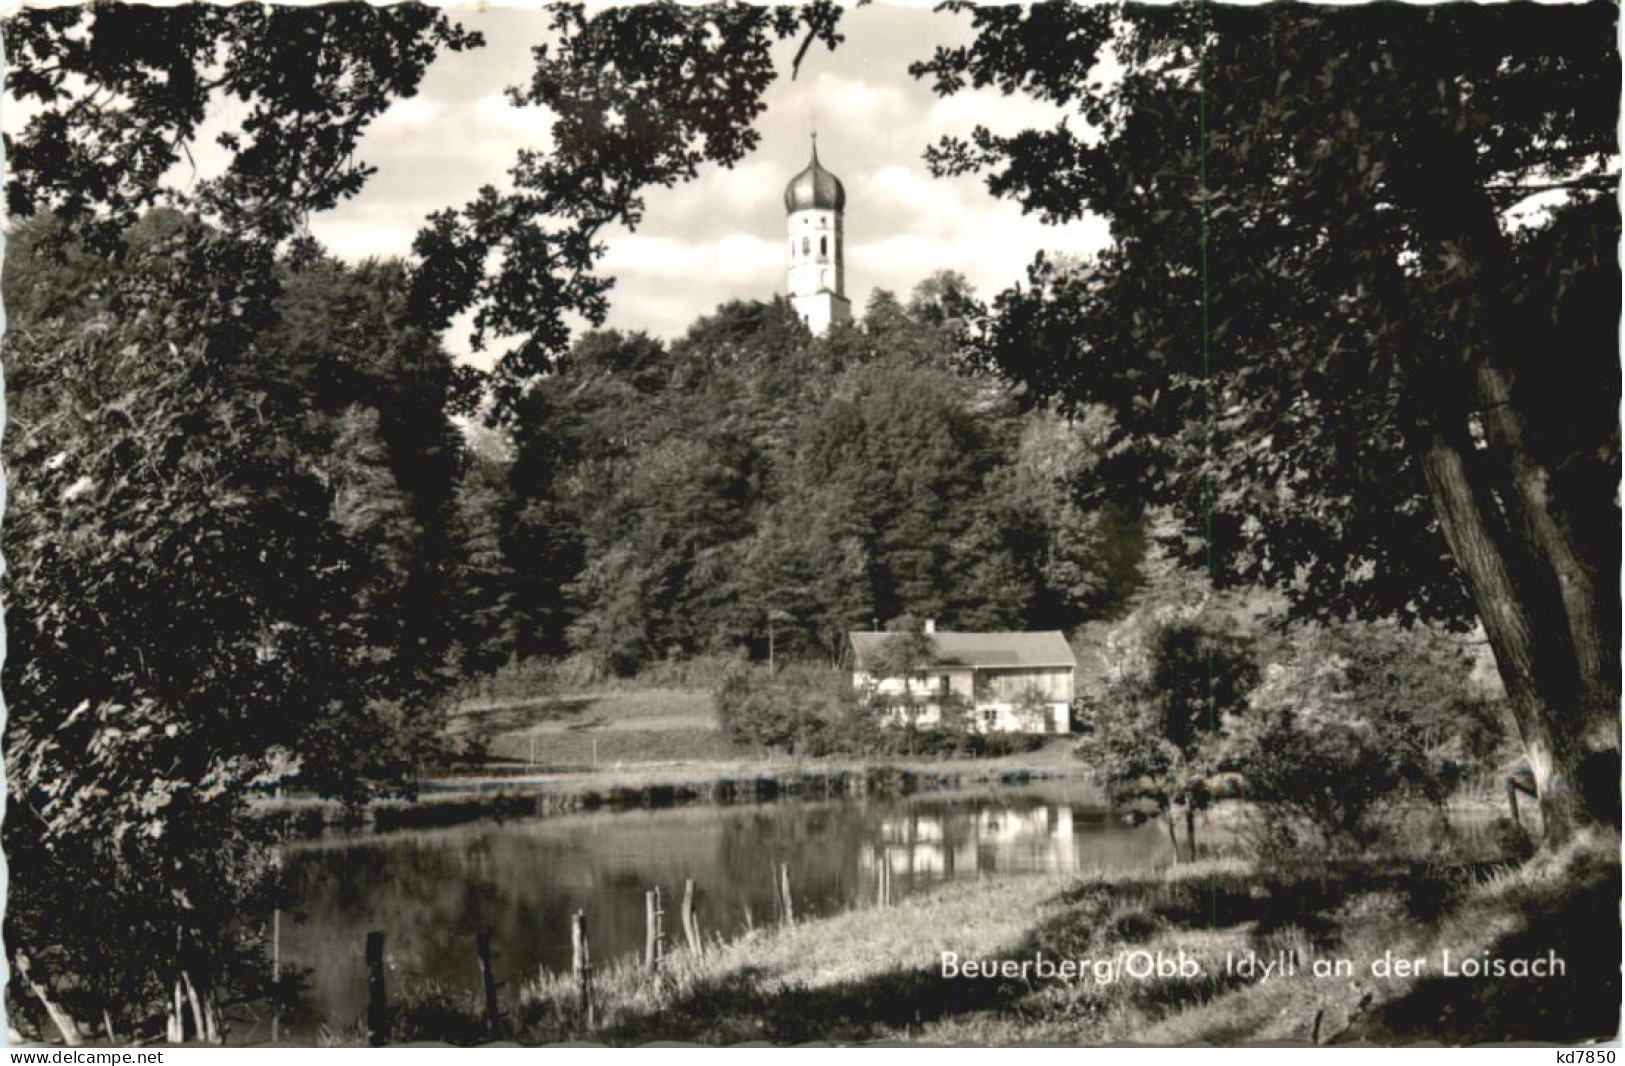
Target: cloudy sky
(721,237)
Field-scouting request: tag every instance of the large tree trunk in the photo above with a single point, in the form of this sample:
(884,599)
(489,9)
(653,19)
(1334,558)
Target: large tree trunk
(1537,595)
(1524,622)
(1595,642)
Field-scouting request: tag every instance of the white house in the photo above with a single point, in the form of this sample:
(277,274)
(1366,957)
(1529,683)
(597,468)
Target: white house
(1008,682)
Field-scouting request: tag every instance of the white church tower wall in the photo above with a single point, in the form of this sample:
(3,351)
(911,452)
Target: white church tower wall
(815,202)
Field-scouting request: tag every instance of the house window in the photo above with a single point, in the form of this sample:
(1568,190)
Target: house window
(990,717)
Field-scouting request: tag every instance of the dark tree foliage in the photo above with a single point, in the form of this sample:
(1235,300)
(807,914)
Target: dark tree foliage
(1316,331)
(670,503)
(641,96)
(122,90)
(362,384)
(1355,733)
(198,609)
(1156,738)
(226,540)
(485,582)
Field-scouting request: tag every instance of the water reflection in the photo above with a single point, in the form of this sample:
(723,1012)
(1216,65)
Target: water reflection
(925,847)
(431,891)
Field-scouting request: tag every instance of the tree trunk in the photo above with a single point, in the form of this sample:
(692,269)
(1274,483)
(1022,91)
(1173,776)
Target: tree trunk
(213,1032)
(200,1024)
(1529,638)
(1555,646)
(175,1023)
(1173,832)
(40,987)
(1596,650)
(1190,829)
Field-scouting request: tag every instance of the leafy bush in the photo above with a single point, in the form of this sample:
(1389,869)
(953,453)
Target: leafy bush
(1332,771)
(799,709)
(1155,738)
(1326,787)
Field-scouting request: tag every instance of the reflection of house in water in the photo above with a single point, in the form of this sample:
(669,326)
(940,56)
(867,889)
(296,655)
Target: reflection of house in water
(935,847)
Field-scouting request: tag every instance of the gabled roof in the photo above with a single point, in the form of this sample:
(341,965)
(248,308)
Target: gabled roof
(1043,648)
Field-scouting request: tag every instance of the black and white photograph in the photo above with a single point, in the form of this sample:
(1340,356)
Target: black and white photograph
(1068,524)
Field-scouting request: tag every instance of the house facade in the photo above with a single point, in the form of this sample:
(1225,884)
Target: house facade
(1004,682)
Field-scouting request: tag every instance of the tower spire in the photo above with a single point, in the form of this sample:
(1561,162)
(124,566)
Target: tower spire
(814,202)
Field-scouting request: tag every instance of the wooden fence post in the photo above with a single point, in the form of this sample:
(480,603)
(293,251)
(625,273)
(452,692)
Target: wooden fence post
(784,881)
(276,968)
(377,1007)
(691,924)
(488,983)
(653,934)
(581,964)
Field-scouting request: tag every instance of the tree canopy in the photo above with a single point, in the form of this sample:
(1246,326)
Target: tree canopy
(1318,331)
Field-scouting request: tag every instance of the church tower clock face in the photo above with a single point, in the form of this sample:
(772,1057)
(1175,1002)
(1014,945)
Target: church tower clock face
(815,209)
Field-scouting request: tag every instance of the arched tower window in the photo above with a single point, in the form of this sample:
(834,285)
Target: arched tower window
(823,246)
(806,246)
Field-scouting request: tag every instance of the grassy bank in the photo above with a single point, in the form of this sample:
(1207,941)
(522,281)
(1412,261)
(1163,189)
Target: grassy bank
(457,800)
(876,974)
(554,743)
(597,727)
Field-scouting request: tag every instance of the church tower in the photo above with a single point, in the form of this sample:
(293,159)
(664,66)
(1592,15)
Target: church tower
(816,204)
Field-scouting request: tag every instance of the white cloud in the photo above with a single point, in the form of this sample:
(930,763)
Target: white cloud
(497,119)
(411,114)
(835,100)
(736,258)
(930,204)
(721,236)
(363,235)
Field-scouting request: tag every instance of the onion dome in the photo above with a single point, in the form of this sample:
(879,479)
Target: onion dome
(814,188)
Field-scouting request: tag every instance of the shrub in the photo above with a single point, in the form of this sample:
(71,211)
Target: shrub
(798,709)
(1325,787)
(1154,737)
(1331,775)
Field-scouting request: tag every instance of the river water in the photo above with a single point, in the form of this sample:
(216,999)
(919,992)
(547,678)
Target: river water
(431,891)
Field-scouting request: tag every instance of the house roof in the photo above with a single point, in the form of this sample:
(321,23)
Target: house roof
(1044,648)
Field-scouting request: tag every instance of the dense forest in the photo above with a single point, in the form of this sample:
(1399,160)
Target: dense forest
(667,501)
(642,501)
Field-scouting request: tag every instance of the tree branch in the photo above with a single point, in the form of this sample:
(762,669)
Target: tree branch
(1594,183)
